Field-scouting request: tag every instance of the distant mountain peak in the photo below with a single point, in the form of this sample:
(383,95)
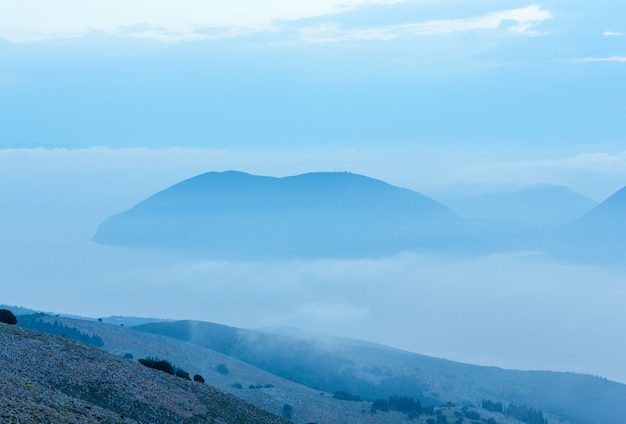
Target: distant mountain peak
(611,212)
(312,214)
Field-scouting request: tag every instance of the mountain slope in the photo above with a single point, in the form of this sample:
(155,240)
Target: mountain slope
(53,379)
(544,204)
(376,371)
(261,388)
(609,217)
(599,236)
(310,215)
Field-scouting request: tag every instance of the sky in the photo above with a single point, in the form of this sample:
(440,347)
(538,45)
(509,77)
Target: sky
(104,103)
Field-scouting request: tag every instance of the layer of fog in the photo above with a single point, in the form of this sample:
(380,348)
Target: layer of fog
(524,311)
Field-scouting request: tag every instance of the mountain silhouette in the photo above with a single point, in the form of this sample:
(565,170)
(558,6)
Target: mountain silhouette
(540,204)
(599,236)
(320,214)
(608,217)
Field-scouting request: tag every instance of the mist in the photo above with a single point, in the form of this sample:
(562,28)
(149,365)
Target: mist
(521,311)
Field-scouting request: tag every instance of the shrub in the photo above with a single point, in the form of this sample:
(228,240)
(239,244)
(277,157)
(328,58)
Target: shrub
(7,317)
(157,365)
(128,356)
(287,411)
(472,415)
(183,374)
(222,369)
(237,385)
(343,395)
(198,378)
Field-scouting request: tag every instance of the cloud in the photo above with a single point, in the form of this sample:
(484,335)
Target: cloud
(37,20)
(613,34)
(519,21)
(601,59)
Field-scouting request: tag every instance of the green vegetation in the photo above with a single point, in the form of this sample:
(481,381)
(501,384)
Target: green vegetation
(198,378)
(287,411)
(526,414)
(7,317)
(168,368)
(405,404)
(490,405)
(36,322)
(343,395)
(157,365)
(471,415)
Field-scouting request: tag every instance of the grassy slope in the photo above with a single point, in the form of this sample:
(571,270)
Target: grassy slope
(53,379)
(377,371)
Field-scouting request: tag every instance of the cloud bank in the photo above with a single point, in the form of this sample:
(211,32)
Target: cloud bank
(193,20)
(37,20)
(619,59)
(520,21)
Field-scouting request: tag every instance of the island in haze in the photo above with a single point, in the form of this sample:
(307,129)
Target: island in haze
(235,215)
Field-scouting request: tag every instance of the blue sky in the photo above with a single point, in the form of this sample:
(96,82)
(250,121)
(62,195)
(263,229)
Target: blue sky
(487,73)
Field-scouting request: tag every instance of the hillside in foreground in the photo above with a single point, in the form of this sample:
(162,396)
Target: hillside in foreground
(49,379)
(304,371)
(274,393)
(375,371)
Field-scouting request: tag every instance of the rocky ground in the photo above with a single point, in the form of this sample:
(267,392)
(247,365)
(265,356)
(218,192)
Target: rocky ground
(49,379)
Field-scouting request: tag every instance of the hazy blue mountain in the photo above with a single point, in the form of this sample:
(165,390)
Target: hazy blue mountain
(316,214)
(608,217)
(542,204)
(600,235)
(235,215)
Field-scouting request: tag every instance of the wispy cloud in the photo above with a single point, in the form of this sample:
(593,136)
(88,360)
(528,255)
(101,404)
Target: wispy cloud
(520,21)
(613,34)
(192,20)
(37,20)
(601,59)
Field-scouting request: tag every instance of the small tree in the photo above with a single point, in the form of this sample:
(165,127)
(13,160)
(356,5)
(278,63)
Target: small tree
(198,378)
(287,411)
(7,317)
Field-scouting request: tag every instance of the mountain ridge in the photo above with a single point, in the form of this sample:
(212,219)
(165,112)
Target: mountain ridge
(308,215)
